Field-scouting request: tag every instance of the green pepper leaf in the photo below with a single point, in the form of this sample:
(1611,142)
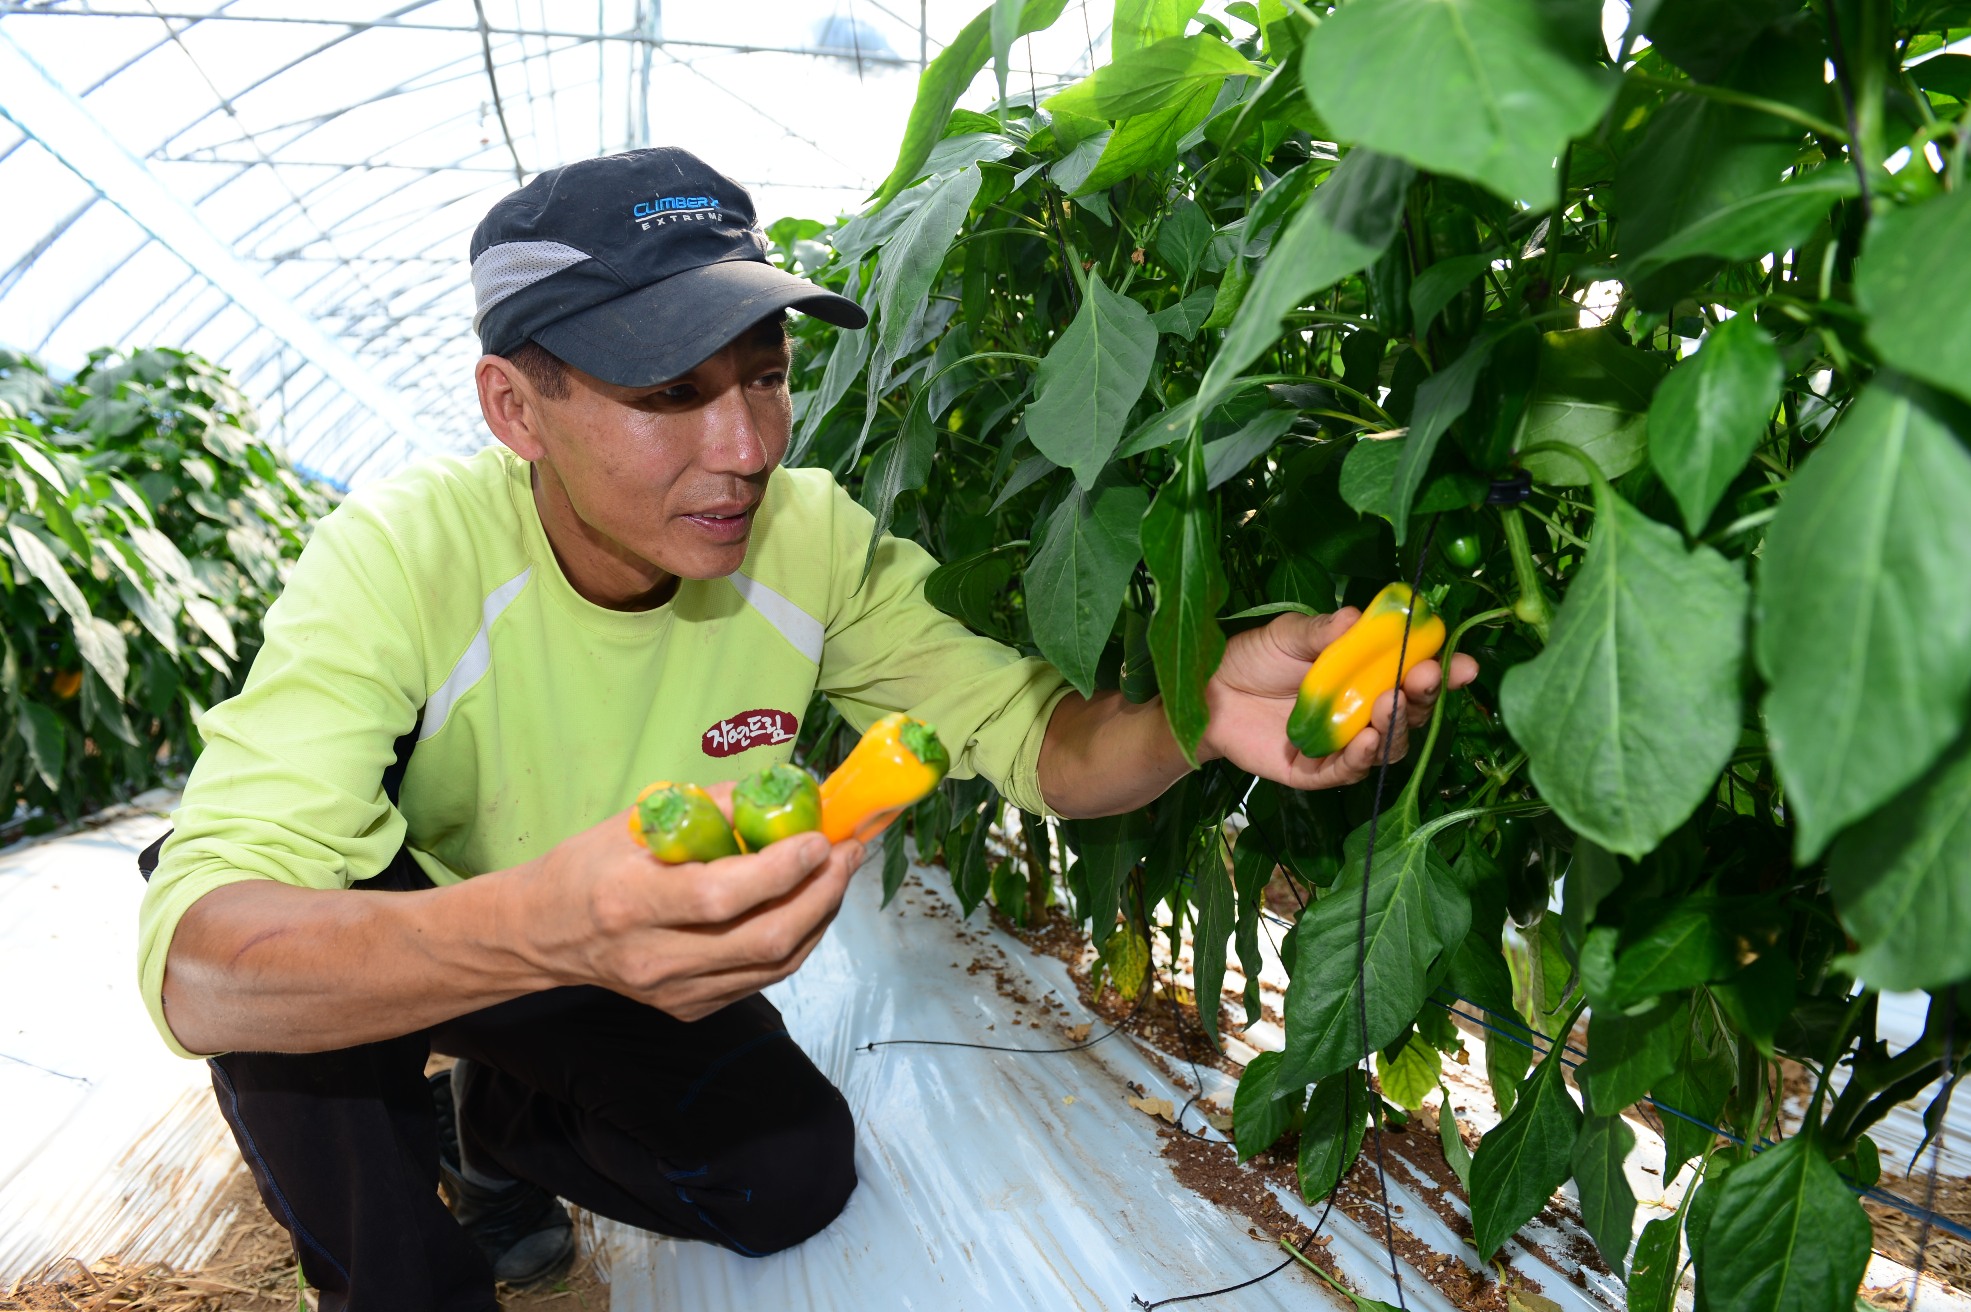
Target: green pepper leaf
(1180,545)
(1864,622)
(1259,1114)
(1214,902)
(1107,849)
(1338,230)
(1408,1079)
(965,589)
(1902,882)
(900,465)
(1653,1273)
(1511,81)
(1437,286)
(1523,1159)
(1592,393)
(1608,1204)
(1416,910)
(1331,1135)
(1678,944)
(1252,870)
(1711,413)
(971,872)
(902,286)
(1646,627)
(1629,1054)
(1089,381)
(1182,240)
(1698,161)
(1076,577)
(1442,399)
(1786,1236)
(1693,1093)
(47,742)
(1777,219)
(1914,279)
(944,80)
(1456,1155)
(1147,78)
(1145,22)
(896,862)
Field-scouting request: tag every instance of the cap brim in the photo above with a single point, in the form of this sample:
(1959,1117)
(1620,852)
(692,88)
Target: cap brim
(660,332)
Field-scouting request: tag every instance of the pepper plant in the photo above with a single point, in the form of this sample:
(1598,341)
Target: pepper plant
(1650,355)
(144,529)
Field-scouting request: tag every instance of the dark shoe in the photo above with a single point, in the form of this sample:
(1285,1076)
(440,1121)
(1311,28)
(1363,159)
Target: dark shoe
(523,1230)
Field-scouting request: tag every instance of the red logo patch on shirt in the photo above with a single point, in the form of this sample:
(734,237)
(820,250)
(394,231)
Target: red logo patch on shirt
(749,729)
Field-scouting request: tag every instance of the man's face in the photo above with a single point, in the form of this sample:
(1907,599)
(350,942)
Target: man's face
(670,476)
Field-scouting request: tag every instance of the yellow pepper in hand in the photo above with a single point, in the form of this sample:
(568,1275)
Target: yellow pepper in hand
(680,823)
(897,763)
(1341,687)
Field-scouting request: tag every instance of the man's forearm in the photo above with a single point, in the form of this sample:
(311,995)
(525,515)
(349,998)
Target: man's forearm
(1104,755)
(265,966)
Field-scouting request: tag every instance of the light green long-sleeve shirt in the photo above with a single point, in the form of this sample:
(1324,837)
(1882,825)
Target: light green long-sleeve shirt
(542,713)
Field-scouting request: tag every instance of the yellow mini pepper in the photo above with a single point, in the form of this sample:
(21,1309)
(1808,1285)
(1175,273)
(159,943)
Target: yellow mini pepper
(897,763)
(1342,685)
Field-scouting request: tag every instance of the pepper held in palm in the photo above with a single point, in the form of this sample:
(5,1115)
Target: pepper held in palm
(1341,687)
(897,763)
(778,801)
(680,823)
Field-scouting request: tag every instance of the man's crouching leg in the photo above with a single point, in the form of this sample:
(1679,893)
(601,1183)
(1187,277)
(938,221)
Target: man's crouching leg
(719,1129)
(343,1147)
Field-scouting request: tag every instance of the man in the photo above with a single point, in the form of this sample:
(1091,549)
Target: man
(407,834)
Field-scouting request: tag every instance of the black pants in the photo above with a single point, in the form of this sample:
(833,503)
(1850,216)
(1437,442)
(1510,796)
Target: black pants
(720,1129)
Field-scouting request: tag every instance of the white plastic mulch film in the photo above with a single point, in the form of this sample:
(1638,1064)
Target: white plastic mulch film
(289,189)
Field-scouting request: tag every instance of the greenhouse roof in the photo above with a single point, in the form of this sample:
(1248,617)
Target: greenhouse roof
(291,195)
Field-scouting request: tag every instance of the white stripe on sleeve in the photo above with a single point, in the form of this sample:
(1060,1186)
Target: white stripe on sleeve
(478,657)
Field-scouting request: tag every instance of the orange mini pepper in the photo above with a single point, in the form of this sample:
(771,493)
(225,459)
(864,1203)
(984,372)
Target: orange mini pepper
(897,763)
(680,823)
(1342,685)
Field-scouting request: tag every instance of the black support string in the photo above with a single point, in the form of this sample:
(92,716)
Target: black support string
(1362,914)
(1937,1145)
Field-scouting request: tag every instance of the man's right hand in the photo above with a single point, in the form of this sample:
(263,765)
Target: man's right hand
(686,939)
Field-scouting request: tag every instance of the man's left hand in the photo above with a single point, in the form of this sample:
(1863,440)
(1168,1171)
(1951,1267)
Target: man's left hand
(1253,693)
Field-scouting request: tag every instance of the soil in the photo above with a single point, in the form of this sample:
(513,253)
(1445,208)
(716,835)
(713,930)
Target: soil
(252,1270)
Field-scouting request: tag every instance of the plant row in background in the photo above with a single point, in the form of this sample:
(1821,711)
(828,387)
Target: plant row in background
(1658,357)
(144,529)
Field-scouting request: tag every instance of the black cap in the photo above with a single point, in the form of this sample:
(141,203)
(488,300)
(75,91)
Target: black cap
(632,267)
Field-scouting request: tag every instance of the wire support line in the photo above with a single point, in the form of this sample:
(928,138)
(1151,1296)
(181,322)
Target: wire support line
(9,9)
(45,1070)
(493,80)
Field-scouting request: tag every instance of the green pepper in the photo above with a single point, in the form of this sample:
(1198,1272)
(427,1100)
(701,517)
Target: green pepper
(1461,544)
(680,823)
(778,801)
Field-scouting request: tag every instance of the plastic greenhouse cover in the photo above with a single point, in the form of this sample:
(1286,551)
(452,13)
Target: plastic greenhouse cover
(346,159)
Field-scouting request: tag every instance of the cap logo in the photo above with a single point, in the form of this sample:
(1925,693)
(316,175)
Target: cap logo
(674,209)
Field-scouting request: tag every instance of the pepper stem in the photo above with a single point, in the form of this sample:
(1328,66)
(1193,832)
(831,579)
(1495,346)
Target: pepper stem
(1530,606)
(1411,791)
